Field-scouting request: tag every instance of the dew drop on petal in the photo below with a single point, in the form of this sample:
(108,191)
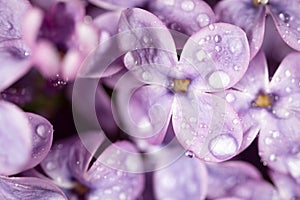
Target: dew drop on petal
(122,196)
(217,38)
(235,46)
(168,2)
(288,73)
(272,157)
(129,60)
(203,19)
(235,121)
(219,79)
(288,89)
(223,146)
(218,48)
(42,130)
(284,17)
(187,5)
(237,68)
(201,55)
(211,27)
(230,98)
(189,154)
(268,141)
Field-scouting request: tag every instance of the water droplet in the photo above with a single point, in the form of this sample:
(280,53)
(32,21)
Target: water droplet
(272,157)
(288,73)
(189,154)
(237,68)
(50,166)
(217,38)
(168,2)
(219,79)
(236,46)
(202,125)
(201,55)
(147,76)
(211,27)
(129,60)
(218,48)
(230,97)
(275,134)
(203,19)
(223,146)
(284,17)
(42,130)
(187,5)
(268,141)
(288,89)
(146,39)
(193,120)
(235,121)
(77,162)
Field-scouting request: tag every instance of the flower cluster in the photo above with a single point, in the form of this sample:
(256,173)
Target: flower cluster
(149,99)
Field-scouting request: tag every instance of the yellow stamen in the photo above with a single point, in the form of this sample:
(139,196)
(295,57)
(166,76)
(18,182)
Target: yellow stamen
(256,3)
(181,85)
(263,101)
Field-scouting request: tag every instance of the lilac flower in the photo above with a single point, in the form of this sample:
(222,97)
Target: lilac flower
(60,32)
(213,59)
(238,179)
(14,54)
(25,139)
(250,15)
(186,16)
(114,175)
(28,189)
(273,109)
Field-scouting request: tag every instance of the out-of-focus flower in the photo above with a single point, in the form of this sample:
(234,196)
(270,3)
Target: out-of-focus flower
(26,139)
(117,4)
(271,107)
(250,15)
(116,174)
(213,59)
(60,37)
(26,188)
(190,184)
(14,54)
(287,187)
(185,16)
(238,179)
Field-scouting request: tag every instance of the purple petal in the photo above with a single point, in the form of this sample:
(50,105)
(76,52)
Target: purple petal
(288,188)
(155,56)
(15,142)
(217,56)
(279,144)
(250,118)
(117,173)
(207,125)
(192,183)
(186,16)
(13,52)
(148,111)
(256,78)
(42,132)
(70,158)
(287,20)
(287,76)
(28,189)
(116,4)
(245,15)
(229,175)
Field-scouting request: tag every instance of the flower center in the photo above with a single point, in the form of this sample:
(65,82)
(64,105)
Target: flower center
(256,3)
(181,85)
(80,189)
(264,100)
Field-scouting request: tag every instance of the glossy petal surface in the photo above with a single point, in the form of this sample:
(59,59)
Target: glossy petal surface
(217,56)
(116,4)
(287,20)
(15,142)
(42,132)
(28,189)
(186,16)
(245,15)
(207,125)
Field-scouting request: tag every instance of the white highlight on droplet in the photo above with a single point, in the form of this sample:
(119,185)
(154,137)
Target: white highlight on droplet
(223,146)
(219,79)
(187,5)
(203,19)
